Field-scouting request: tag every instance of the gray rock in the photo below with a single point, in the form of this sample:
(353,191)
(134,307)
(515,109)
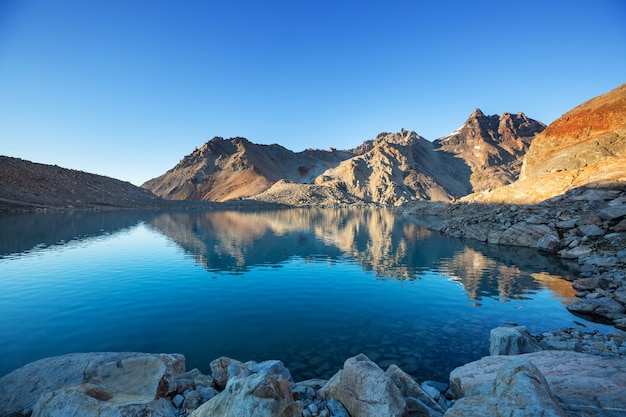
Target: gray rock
(22,388)
(590,230)
(522,234)
(511,341)
(549,243)
(566,224)
(197,378)
(603,306)
(178,400)
(575,252)
(585,284)
(410,388)
(416,408)
(255,395)
(620,295)
(364,390)
(275,367)
(336,409)
(612,213)
(569,375)
(192,401)
(206,393)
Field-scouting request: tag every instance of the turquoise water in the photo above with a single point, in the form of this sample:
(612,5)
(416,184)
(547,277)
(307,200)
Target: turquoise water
(310,287)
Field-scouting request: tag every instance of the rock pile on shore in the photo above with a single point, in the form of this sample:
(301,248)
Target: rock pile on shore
(586,227)
(518,379)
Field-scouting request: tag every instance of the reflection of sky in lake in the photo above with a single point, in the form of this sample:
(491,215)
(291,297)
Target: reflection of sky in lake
(309,287)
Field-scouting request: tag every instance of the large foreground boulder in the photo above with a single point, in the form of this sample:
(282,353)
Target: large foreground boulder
(519,389)
(256,395)
(105,375)
(365,390)
(584,385)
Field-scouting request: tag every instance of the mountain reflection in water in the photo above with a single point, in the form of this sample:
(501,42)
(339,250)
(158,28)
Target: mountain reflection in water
(311,287)
(389,245)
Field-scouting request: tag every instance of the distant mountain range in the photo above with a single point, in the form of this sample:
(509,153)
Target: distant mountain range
(500,159)
(392,169)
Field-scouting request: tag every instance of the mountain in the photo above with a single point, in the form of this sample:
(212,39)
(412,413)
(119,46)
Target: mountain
(26,185)
(228,169)
(585,146)
(493,146)
(391,169)
(396,168)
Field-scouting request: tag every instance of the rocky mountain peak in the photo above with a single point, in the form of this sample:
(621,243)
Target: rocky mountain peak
(493,146)
(476,114)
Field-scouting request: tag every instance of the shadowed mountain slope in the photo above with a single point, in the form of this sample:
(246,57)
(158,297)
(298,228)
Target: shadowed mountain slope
(26,185)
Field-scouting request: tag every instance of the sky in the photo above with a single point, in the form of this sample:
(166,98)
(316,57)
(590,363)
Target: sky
(127,88)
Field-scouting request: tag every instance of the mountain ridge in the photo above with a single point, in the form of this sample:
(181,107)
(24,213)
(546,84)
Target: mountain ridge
(391,169)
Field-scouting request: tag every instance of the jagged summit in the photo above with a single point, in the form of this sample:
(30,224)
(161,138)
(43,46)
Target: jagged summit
(493,146)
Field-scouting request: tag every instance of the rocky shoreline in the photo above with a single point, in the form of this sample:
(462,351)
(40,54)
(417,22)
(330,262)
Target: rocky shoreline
(519,377)
(585,227)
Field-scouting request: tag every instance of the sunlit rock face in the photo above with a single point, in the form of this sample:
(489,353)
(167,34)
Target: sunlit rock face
(585,146)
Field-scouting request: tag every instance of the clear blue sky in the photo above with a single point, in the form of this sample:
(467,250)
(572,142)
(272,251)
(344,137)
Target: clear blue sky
(127,88)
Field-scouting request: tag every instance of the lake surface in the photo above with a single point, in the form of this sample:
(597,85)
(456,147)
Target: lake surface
(311,287)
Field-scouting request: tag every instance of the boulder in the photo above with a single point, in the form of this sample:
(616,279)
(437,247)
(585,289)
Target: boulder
(364,390)
(512,341)
(522,234)
(410,388)
(519,389)
(222,369)
(590,230)
(23,387)
(274,367)
(88,400)
(604,307)
(585,284)
(256,395)
(549,243)
(575,252)
(613,213)
(583,384)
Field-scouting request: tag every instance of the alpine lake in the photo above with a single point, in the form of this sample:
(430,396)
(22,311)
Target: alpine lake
(311,287)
